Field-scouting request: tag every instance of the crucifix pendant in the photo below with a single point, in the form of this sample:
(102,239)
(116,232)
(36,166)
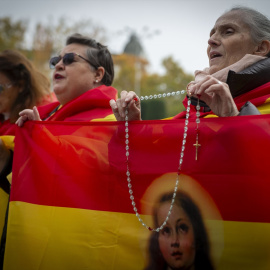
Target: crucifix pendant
(197,145)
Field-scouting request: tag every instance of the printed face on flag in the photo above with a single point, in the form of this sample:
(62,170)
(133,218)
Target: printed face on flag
(70,203)
(176,240)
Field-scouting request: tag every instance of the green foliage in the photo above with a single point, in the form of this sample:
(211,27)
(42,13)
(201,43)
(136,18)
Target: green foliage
(153,109)
(124,66)
(12,33)
(130,71)
(50,38)
(53,34)
(174,79)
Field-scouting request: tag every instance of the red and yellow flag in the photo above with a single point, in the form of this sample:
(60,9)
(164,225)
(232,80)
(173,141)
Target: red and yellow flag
(70,203)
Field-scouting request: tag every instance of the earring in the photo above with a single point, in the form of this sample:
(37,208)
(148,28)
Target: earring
(96,81)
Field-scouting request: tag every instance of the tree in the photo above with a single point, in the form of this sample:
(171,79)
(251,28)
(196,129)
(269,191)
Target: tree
(125,70)
(12,33)
(50,38)
(173,80)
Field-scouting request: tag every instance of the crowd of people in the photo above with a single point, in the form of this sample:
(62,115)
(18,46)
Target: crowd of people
(237,82)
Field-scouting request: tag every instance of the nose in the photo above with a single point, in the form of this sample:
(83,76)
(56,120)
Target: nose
(175,241)
(214,41)
(60,65)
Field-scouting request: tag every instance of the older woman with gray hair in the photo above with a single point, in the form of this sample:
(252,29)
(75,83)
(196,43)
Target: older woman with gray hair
(237,81)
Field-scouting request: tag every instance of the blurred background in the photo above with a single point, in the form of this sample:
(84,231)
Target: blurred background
(156,45)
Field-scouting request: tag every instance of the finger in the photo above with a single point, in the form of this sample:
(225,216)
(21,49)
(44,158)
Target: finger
(21,120)
(114,106)
(36,114)
(123,96)
(115,110)
(219,82)
(205,84)
(130,96)
(190,90)
(132,106)
(219,89)
(18,122)
(120,108)
(26,111)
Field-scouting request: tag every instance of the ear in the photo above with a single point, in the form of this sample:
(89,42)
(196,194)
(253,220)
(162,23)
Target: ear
(99,74)
(263,48)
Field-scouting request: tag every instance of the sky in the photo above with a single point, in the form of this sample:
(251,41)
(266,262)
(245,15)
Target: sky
(183,25)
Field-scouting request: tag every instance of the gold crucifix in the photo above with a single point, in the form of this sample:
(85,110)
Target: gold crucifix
(197,145)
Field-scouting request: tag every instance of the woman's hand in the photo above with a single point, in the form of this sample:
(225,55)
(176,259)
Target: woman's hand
(216,95)
(26,115)
(127,100)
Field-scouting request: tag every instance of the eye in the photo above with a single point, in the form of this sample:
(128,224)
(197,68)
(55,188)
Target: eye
(166,231)
(183,228)
(68,58)
(229,31)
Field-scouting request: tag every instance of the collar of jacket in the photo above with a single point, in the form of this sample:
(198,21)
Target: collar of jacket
(249,78)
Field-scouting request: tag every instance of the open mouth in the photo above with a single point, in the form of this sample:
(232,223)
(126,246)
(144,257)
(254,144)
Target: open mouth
(58,76)
(215,55)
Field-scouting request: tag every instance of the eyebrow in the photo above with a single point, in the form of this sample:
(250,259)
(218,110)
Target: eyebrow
(180,219)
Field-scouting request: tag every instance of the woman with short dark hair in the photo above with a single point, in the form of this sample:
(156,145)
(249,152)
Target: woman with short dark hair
(82,78)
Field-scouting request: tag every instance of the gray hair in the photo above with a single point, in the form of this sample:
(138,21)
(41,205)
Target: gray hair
(258,23)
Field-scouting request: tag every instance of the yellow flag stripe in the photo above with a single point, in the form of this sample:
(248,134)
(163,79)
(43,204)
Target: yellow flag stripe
(46,237)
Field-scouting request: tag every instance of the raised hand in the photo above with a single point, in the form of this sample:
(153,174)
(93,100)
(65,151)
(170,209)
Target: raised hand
(28,114)
(127,100)
(216,95)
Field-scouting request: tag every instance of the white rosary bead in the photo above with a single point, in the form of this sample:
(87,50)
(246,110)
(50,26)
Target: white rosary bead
(180,160)
(164,95)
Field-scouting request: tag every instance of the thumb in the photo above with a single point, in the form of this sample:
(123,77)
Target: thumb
(36,114)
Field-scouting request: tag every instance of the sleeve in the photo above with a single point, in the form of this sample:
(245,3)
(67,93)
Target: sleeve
(249,109)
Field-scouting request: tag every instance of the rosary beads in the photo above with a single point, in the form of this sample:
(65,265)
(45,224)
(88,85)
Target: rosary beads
(128,175)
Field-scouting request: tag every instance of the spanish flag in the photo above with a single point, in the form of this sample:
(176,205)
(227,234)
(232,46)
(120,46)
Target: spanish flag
(71,206)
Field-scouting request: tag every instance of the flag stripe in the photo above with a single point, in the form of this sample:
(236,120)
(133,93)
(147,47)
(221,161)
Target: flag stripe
(84,166)
(82,239)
